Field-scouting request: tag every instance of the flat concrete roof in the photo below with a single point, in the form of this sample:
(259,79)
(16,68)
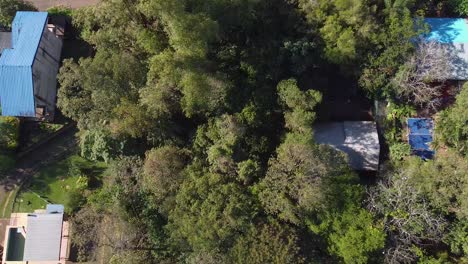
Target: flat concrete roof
(43,237)
(358,139)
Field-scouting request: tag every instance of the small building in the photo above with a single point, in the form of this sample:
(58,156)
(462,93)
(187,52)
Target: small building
(37,238)
(453,33)
(29,67)
(358,139)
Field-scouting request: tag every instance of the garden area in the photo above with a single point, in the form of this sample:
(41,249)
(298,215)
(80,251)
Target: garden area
(35,132)
(9,137)
(65,182)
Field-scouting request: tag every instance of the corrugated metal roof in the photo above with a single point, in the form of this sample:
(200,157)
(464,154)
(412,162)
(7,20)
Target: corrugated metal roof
(16,84)
(26,31)
(453,33)
(447,30)
(43,237)
(16,91)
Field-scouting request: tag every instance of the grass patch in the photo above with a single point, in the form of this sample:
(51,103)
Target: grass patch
(61,183)
(9,140)
(35,132)
(6,205)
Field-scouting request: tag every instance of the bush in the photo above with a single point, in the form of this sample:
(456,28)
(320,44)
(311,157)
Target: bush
(452,125)
(9,133)
(60,11)
(6,163)
(396,120)
(75,201)
(98,145)
(399,151)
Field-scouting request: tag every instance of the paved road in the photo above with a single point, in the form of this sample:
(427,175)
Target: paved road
(29,164)
(44,4)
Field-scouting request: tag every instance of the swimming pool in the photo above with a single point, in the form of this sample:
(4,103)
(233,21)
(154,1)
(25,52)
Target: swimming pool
(15,248)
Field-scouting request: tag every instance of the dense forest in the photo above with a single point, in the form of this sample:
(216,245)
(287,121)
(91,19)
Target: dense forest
(204,112)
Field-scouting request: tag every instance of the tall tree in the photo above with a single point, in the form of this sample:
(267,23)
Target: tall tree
(8,9)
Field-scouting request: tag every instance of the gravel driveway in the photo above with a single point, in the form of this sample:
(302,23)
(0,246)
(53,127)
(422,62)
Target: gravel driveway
(44,4)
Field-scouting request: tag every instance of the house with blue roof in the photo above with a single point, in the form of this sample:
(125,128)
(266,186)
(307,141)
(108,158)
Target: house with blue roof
(29,67)
(453,33)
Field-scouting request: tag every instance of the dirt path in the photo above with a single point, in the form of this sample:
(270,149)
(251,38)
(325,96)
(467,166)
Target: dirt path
(44,4)
(29,164)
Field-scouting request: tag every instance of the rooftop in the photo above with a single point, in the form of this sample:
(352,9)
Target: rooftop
(16,83)
(358,139)
(447,30)
(454,33)
(37,237)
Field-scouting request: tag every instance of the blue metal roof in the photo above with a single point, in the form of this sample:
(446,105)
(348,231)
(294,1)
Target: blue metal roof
(16,83)
(447,30)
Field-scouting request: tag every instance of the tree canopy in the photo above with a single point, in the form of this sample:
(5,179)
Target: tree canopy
(205,113)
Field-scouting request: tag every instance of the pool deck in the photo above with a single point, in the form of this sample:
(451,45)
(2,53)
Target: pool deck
(3,224)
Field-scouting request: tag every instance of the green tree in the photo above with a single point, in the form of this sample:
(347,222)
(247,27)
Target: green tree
(409,221)
(346,27)
(443,181)
(73,100)
(9,133)
(297,181)
(268,243)
(452,125)
(299,115)
(8,9)
(352,235)
(462,7)
(458,238)
(98,145)
(163,175)
(393,46)
(210,212)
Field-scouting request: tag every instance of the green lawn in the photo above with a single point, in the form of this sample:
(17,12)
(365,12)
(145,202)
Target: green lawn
(58,183)
(6,205)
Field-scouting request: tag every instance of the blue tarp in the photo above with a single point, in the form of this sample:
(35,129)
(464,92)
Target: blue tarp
(420,137)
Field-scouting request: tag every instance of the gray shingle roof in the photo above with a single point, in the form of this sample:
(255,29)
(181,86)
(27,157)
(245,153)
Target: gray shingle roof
(359,140)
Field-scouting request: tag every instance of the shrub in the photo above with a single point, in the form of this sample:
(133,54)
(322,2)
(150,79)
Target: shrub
(395,121)
(9,133)
(452,125)
(6,163)
(98,145)
(398,151)
(60,10)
